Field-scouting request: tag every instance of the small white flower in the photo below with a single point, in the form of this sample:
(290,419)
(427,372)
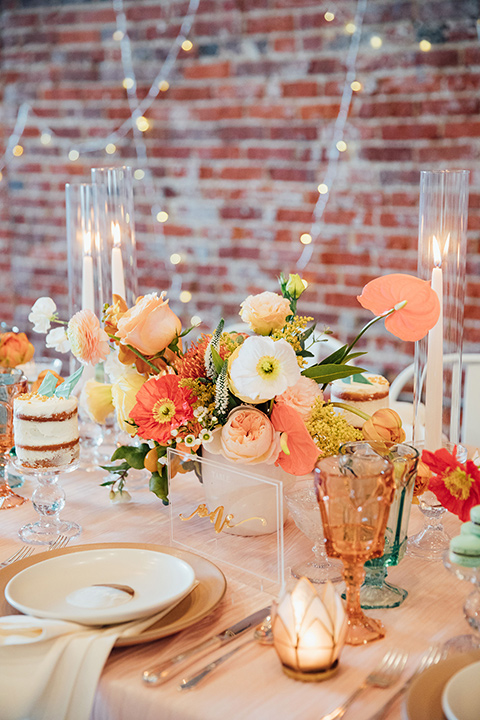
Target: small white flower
(120,496)
(43,312)
(174,432)
(214,419)
(162,460)
(58,340)
(205,436)
(199,411)
(190,440)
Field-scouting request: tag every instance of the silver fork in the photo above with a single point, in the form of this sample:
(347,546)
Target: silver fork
(431,656)
(60,542)
(384,675)
(24,552)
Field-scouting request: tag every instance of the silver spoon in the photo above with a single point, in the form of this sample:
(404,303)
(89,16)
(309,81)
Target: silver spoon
(263,634)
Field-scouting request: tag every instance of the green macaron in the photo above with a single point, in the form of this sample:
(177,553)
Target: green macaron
(475,516)
(470,528)
(465,550)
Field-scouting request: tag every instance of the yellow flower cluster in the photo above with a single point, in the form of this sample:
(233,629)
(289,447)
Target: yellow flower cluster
(330,430)
(205,394)
(291,331)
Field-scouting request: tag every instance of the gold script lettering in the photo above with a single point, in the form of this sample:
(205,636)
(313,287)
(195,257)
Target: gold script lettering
(216,517)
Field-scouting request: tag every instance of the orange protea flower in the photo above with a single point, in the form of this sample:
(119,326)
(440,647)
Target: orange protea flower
(162,406)
(192,364)
(88,341)
(410,321)
(455,485)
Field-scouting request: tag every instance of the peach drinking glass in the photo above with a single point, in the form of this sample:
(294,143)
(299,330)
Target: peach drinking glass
(12,383)
(355,494)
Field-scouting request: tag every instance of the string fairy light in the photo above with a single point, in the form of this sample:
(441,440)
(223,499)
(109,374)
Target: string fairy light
(338,144)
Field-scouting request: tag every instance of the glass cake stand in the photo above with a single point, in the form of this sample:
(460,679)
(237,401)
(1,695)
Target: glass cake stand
(48,499)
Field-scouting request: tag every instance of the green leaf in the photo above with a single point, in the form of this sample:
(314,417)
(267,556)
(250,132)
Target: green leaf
(122,467)
(336,357)
(48,385)
(65,389)
(217,360)
(134,456)
(306,334)
(158,484)
(327,373)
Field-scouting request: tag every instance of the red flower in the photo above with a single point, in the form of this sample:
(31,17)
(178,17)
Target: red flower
(161,406)
(455,485)
(303,451)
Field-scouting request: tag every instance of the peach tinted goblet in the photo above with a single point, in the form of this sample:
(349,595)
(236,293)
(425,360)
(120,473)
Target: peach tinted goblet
(12,383)
(355,494)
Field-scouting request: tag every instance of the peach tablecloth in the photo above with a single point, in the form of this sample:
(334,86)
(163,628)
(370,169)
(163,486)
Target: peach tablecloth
(251,684)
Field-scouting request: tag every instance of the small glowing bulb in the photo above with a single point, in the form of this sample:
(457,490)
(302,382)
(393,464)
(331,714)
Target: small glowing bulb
(329,16)
(341,146)
(128,83)
(350,28)
(1,176)
(356,86)
(185,296)
(163,85)
(73,155)
(305,239)
(376,42)
(118,35)
(195,320)
(45,138)
(305,283)
(322,189)
(175,259)
(425,45)
(139,174)
(187,45)
(110,148)
(17,150)
(162,216)
(142,123)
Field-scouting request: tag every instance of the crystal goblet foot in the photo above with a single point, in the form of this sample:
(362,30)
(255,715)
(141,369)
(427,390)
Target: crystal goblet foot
(48,499)
(471,607)
(432,540)
(303,507)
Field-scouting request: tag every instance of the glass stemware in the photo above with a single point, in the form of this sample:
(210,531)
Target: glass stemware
(355,494)
(432,540)
(375,591)
(303,506)
(471,607)
(12,382)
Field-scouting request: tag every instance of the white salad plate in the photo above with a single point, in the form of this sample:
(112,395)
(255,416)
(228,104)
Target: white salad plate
(73,587)
(461,696)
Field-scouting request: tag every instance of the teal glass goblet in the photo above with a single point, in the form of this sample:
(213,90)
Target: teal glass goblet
(376,592)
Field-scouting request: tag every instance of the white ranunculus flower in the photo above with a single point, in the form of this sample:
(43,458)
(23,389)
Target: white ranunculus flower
(43,311)
(262,368)
(58,340)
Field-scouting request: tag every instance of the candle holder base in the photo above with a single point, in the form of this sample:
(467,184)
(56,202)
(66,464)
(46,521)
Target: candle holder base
(311,676)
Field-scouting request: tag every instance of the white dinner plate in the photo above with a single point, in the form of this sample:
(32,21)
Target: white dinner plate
(61,587)
(461,696)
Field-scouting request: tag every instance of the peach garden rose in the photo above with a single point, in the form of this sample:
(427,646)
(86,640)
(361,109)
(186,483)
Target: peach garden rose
(247,437)
(149,326)
(15,349)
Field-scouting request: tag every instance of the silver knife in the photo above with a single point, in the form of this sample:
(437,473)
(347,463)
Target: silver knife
(163,672)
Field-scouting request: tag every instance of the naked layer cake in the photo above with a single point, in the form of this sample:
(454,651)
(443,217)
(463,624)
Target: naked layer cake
(45,430)
(367,397)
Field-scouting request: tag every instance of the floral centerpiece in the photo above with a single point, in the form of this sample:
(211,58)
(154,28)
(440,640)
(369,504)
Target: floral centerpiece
(249,396)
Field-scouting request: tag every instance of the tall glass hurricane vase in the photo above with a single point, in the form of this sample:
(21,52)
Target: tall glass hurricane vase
(375,591)
(355,494)
(118,246)
(442,260)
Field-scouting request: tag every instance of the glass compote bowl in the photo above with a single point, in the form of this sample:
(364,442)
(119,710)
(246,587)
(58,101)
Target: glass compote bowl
(12,382)
(471,607)
(355,494)
(48,499)
(303,506)
(432,540)
(375,591)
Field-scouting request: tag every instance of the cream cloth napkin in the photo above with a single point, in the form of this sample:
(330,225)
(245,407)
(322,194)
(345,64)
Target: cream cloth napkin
(49,669)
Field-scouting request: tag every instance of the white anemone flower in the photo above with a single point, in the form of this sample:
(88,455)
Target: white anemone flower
(58,340)
(262,368)
(42,313)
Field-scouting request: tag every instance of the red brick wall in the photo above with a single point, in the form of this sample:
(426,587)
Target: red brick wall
(239,143)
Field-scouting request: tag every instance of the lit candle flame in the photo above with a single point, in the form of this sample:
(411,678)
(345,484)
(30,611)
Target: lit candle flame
(87,243)
(437,255)
(116,234)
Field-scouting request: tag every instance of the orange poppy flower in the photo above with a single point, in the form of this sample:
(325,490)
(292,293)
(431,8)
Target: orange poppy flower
(413,320)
